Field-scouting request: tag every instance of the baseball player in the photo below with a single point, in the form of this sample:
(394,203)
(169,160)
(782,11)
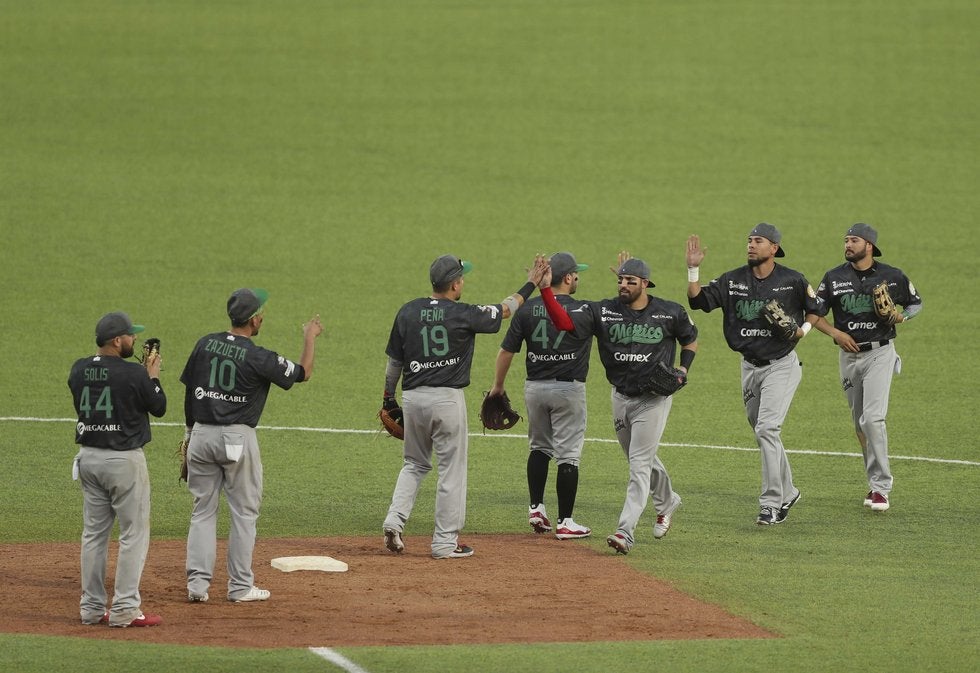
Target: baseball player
(227,379)
(867,357)
(635,331)
(554,391)
(771,371)
(430,348)
(112,398)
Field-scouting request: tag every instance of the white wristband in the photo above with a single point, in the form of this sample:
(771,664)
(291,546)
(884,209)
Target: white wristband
(693,274)
(511,303)
(806,327)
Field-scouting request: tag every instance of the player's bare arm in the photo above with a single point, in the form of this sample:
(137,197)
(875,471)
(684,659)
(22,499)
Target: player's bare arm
(311,330)
(502,366)
(695,255)
(841,338)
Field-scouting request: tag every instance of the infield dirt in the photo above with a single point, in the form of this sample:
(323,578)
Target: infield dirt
(515,589)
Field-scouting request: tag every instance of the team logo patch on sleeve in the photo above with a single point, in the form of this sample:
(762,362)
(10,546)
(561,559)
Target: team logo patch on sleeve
(288,365)
(492,310)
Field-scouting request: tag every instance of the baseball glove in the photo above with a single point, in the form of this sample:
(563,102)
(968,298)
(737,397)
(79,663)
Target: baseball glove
(783,324)
(884,304)
(665,380)
(497,414)
(392,418)
(150,346)
(182,452)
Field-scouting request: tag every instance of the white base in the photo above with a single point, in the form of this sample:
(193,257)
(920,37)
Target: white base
(288,564)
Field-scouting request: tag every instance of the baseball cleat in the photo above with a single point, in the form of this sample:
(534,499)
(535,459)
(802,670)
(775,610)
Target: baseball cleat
(768,516)
(254,594)
(879,502)
(662,526)
(867,499)
(142,620)
(784,510)
(393,541)
(569,530)
(538,520)
(618,542)
(197,598)
(461,551)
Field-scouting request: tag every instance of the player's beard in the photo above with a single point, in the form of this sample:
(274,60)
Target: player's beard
(126,351)
(855,257)
(758,260)
(630,293)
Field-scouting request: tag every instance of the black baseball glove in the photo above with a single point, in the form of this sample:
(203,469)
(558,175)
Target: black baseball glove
(665,380)
(782,323)
(497,414)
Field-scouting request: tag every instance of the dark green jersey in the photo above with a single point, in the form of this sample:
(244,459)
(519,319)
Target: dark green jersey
(848,293)
(434,340)
(112,399)
(551,353)
(741,296)
(227,379)
(631,343)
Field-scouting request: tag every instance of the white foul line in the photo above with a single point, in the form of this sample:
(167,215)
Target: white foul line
(353,431)
(337,659)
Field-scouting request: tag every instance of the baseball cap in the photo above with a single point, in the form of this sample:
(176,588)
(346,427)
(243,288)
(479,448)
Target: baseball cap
(766,230)
(114,324)
(563,263)
(867,232)
(447,269)
(245,303)
(635,267)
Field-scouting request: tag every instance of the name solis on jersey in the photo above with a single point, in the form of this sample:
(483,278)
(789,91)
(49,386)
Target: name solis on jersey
(417,366)
(201,393)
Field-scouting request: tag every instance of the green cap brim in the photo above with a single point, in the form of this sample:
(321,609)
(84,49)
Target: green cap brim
(467,266)
(137,329)
(263,297)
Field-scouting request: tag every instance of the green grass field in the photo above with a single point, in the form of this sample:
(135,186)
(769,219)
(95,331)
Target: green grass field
(157,155)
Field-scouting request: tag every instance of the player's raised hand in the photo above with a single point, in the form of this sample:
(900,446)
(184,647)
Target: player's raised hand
(314,327)
(695,253)
(621,259)
(538,269)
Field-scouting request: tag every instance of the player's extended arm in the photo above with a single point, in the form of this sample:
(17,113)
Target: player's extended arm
(559,316)
(843,339)
(504,360)
(695,255)
(311,330)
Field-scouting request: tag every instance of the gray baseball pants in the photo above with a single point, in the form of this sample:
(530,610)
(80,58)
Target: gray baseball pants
(556,416)
(639,423)
(115,484)
(867,378)
(223,458)
(435,422)
(767,392)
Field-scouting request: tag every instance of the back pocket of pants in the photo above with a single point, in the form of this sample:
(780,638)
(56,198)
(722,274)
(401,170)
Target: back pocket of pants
(234,445)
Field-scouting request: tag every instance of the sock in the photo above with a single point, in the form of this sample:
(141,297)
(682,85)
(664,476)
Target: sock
(537,475)
(567,486)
